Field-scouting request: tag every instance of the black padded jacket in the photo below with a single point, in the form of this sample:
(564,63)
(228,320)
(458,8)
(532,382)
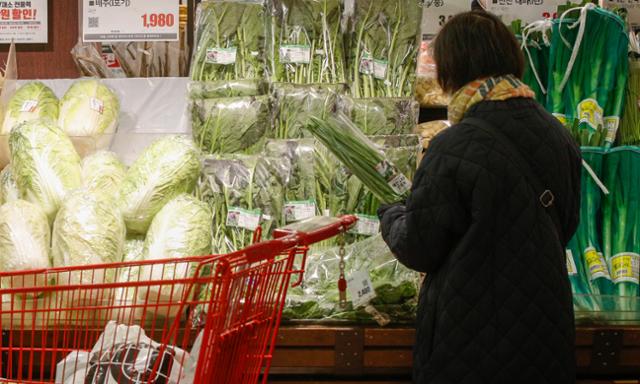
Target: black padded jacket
(496,304)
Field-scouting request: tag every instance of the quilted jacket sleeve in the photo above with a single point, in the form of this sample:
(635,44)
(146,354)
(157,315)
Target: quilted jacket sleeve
(425,230)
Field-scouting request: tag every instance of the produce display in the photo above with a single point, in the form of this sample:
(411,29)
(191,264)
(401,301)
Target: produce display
(103,171)
(221,88)
(89,108)
(33,101)
(308,41)
(8,187)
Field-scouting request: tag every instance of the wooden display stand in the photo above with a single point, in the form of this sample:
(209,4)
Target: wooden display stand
(370,355)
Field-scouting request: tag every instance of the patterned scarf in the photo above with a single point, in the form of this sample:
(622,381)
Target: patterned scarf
(492,88)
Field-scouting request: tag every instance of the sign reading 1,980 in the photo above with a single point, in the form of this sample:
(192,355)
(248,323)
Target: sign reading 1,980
(130,20)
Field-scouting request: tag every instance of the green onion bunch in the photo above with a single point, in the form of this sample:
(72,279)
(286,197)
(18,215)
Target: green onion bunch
(230,40)
(588,71)
(630,123)
(307,41)
(363,158)
(383,49)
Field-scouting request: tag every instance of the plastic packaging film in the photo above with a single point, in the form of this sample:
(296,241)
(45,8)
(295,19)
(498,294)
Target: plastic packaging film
(382,115)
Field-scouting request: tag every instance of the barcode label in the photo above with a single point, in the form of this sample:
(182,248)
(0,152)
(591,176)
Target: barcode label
(94,22)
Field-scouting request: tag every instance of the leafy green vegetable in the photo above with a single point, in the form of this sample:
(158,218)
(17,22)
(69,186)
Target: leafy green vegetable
(294,104)
(383,116)
(384,47)
(33,101)
(44,163)
(103,171)
(223,88)
(89,229)
(301,156)
(361,157)
(24,242)
(230,38)
(395,286)
(308,43)
(243,192)
(630,123)
(167,168)
(89,108)
(230,125)
(182,228)
(8,187)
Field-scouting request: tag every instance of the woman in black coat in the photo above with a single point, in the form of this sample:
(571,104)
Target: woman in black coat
(492,207)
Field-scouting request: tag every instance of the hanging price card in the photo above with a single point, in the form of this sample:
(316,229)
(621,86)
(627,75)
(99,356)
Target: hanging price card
(24,22)
(437,12)
(130,20)
(526,10)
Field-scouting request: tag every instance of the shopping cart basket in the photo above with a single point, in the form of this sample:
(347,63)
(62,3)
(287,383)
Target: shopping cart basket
(231,304)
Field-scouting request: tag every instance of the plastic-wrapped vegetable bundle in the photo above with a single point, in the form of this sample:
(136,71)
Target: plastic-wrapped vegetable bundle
(230,40)
(8,187)
(630,123)
(384,47)
(579,278)
(587,237)
(44,163)
(587,79)
(294,104)
(621,221)
(361,156)
(391,289)
(167,168)
(244,192)
(308,41)
(300,192)
(383,115)
(223,88)
(331,182)
(230,125)
(33,101)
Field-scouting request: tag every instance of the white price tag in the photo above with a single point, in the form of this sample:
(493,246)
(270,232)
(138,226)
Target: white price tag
(130,20)
(526,10)
(380,69)
(97,105)
(571,264)
(360,288)
(366,225)
(243,218)
(29,106)
(299,210)
(25,22)
(295,54)
(222,56)
(435,13)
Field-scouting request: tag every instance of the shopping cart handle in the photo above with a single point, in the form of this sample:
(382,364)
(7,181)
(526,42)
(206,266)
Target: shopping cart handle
(316,229)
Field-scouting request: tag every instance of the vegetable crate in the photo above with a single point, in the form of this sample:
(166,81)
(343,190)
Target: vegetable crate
(211,319)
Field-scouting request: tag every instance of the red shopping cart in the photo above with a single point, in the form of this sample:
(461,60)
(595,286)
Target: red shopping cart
(231,304)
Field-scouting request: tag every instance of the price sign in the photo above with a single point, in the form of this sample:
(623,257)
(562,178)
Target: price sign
(130,20)
(435,13)
(360,288)
(526,10)
(632,8)
(24,22)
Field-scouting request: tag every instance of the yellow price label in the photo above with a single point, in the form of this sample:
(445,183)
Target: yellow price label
(597,265)
(625,268)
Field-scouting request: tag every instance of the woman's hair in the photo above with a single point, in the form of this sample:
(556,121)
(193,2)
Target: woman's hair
(473,45)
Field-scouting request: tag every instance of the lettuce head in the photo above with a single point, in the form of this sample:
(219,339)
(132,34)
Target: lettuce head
(44,164)
(167,168)
(33,101)
(8,188)
(24,241)
(89,108)
(103,171)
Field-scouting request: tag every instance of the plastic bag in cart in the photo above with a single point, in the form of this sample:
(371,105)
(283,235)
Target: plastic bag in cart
(124,354)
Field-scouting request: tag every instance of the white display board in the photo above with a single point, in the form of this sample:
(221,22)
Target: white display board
(437,12)
(631,6)
(24,22)
(149,109)
(130,20)
(526,10)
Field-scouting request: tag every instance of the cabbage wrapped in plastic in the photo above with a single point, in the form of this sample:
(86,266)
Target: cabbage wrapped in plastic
(24,242)
(8,187)
(103,171)
(89,108)
(33,101)
(167,168)
(44,163)
(181,229)
(89,229)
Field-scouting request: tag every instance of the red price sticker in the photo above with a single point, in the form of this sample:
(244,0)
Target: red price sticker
(161,20)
